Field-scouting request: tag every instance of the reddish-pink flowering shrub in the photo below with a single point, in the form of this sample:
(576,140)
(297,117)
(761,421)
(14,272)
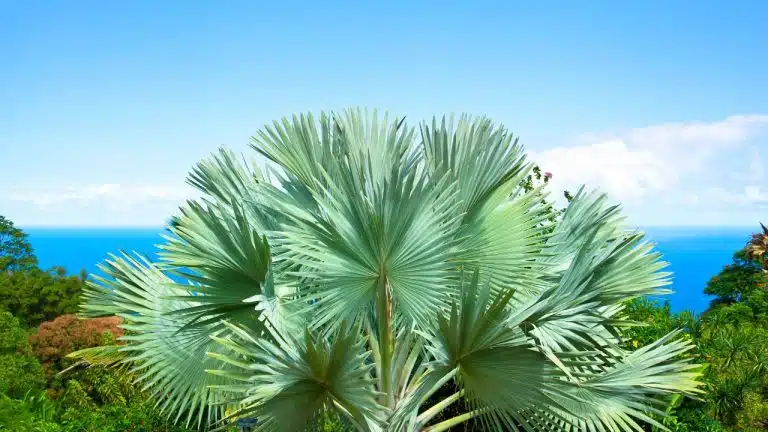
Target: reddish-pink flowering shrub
(67,333)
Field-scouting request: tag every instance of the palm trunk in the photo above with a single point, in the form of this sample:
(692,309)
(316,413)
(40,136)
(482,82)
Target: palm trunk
(386,336)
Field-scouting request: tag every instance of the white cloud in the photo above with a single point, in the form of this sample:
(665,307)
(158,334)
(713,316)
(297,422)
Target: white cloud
(749,196)
(671,173)
(756,170)
(655,161)
(703,135)
(113,196)
(622,172)
(753,193)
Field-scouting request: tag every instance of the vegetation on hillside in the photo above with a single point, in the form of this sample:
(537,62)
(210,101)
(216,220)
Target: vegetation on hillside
(731,338)
(41,390)
(32,294)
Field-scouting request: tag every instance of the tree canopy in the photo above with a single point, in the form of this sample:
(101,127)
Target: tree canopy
(30,293)
(15,250)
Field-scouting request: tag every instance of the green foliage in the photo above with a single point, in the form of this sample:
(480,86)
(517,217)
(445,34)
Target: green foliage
(736,280)
(15,251)
(19,371)
(34,412)
(731,338)
(36,296)
(93,399)
(76,413)
(691,417)
(84,399)
(13,338)
(339,280)
(737,376)
(31,294)
(136,417)
(741,291)
(20,374)
(655,321)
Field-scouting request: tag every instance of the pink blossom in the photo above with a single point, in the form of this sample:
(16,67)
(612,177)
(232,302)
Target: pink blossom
(548,175)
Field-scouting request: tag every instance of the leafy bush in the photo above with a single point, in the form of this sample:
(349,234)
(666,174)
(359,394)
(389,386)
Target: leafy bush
(36,295)
(77,413)
(19,371)
(136,417)
(33,413)
(105,386)
(68,333)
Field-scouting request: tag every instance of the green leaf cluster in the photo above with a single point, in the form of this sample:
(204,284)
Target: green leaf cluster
(20,372)
(372,264)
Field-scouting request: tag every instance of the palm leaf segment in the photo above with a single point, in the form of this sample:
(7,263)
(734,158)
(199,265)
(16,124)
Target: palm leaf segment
(338,279)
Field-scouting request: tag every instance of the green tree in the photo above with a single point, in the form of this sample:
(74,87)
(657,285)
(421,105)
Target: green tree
(35,296)
(740,289)
(372,264)
(15,251)
(31,294)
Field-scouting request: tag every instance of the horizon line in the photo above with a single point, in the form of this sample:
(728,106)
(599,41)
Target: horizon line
(164,226)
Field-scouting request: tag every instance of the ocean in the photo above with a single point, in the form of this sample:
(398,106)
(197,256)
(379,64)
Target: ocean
(694,254)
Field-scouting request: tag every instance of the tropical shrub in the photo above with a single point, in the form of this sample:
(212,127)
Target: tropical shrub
(35,295)
(20,372)
(654,321)
(737,377)
(371,265)
(54,340)
(33,413)
(75,412)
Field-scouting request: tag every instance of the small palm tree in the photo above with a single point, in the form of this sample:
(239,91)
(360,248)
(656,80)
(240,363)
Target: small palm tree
(373,264)
(757,248)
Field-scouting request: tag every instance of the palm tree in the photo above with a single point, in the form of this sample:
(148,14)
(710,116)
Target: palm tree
(372,264)
(757,248)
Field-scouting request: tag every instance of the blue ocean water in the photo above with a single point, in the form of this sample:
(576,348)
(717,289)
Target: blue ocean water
(694,254)
(84,248)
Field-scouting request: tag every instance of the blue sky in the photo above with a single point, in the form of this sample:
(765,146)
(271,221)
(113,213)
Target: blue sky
(106,106)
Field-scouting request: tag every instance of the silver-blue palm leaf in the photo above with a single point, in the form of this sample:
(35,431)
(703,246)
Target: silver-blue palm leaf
(390,275)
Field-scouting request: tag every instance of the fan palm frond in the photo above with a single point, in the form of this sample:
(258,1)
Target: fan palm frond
(163,351)
(289,383)
(337,279)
